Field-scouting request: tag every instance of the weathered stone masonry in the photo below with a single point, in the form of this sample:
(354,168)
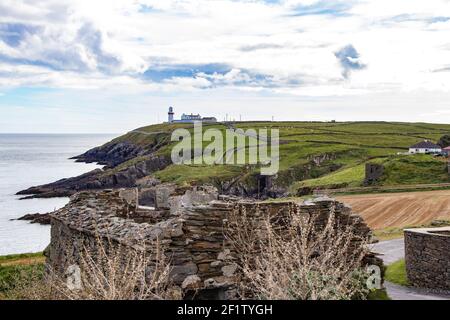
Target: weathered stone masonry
(189,224)
(428,257)
(374,172)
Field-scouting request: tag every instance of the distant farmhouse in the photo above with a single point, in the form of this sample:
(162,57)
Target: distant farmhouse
(189,118)
(425,146)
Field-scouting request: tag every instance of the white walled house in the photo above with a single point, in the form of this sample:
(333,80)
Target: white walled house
(425,146)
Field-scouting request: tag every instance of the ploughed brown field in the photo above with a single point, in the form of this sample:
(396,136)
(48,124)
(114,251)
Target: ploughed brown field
(400,209)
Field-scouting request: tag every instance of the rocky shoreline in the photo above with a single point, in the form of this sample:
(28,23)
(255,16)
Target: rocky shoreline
(111,156)
(43,219)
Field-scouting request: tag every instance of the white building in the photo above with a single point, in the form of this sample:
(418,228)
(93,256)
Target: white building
(425,146)
(188,118)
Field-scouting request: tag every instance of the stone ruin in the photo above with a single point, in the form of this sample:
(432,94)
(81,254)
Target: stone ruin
(373,174)
(427,255)
(189,224)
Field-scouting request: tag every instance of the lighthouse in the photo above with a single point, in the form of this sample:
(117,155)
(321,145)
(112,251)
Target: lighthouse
(188,118)
(171,114)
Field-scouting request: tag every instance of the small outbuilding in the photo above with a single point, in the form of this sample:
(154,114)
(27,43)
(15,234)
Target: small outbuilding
(426,147)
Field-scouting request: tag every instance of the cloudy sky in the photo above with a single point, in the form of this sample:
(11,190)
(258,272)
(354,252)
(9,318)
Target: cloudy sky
(111,66)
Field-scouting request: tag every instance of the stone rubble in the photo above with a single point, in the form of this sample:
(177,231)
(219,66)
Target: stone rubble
(188,223)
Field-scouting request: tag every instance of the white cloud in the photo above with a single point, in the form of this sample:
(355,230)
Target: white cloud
(81,43)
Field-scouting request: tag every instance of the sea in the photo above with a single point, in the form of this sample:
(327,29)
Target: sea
(33,159)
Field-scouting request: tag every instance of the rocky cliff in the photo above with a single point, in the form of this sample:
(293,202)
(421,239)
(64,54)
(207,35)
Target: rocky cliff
(99,179)
(111,154)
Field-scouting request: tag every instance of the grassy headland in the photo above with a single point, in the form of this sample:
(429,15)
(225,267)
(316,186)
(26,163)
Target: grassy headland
(344,149)
(313,155)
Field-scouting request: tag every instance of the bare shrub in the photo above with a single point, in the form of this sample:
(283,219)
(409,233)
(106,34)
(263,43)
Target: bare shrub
(106,271)
(116,272)
(292,256)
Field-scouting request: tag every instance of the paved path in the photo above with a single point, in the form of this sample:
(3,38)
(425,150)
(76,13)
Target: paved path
(397,292)
(392,251)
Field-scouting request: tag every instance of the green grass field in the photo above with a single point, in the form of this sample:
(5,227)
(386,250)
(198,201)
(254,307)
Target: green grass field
(347,147)
(399,170)
(17,271)
(397,233)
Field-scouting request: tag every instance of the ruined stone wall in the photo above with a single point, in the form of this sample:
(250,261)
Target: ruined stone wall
(319,210)
(89,216)
(192,239)
(191,233)
(374,172)
(428,257)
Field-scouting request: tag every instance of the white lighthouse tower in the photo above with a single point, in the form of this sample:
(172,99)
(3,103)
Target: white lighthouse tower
(171,114)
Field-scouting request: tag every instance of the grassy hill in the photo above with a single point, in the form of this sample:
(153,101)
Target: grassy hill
(312,155)
(343,147)
(398,170)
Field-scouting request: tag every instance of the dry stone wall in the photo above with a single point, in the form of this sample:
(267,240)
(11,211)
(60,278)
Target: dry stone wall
(428,257)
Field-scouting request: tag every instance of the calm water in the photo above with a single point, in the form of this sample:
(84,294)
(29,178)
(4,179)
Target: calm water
(28,160)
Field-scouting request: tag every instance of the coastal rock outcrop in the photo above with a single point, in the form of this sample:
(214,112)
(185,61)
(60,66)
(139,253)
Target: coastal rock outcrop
(99,179)
(43,218)
(111,154)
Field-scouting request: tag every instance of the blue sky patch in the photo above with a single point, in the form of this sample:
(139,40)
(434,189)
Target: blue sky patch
(438,19)
(28,62)
(161,73)
(245,77)
(349,60)
(13,33)
(323,8)
(143,8)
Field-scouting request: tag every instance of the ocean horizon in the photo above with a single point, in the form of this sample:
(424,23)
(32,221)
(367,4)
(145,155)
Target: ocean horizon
(28,160)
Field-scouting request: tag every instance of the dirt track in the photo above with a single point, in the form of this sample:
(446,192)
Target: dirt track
(400,209)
